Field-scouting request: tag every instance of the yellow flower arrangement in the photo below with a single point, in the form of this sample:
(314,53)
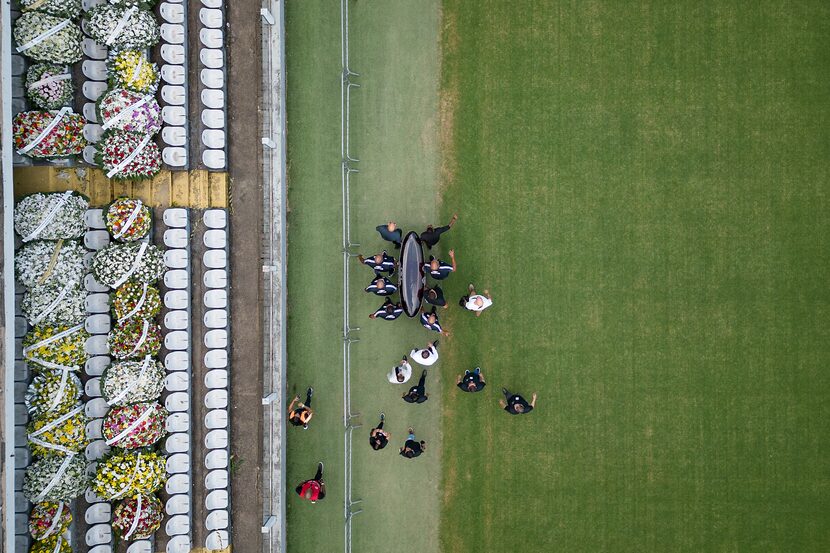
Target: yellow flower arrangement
(130,69)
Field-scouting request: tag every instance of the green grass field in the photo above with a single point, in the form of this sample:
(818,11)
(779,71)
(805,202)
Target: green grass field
(644,191)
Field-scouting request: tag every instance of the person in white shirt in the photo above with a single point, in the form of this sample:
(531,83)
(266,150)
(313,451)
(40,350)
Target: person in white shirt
(476,302)
(427,356)
(401,372)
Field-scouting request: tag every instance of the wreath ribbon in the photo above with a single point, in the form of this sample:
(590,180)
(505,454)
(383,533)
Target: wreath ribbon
(136,70)
(52,262)
(139,304)
(133,383)
(129,159)
(119,28)
(43,36)
(133,215)
(55,479)
(55,338)
(53,211)
(134,525)
(51,307)
(129,485)
(49,80)
(141,339)
(139,256)
(61,390)
(135,424)
(56,422)
(55,521)
(125,112)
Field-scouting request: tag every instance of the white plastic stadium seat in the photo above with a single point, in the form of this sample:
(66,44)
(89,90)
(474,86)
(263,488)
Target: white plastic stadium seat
(97,449)
(95,365)
(175,237)
(218,539)
(216,318)
(213,118)
(93,50)
(176,299)
(174,115)
(177,279)
(176,361)
(216,479)
(93,132)
(216,299)
(97,345)
(175,259)
(216,418)
(178,463)
(177,402)
(216,359)
(177,422)
(215,239)
(178,544)
(212,3)
(174,136)
(178,505)
(211,18)
(98,303)
(94,70)
(215,218)
(97,324)
(177,443)
(96,239)
(89,112)
(172,33)
(173,94)
(178,483)
(174,156)
(212,58)
(104,548)
(89,155)
(93,285)
(214,159)
(217,499)
(96,408)
(89,4)
(176,382)
(94,429)
(216,459)
(217,520)
(141,546)
(177,525)
(99,534)
(172,13)
(216,278)
(214,138)
(90,496)
(97,513)
(212,78)
(172,53)
(176,320)
(215,259)
(211,38)
(177,340)
(92,388)
(215,399)
(172,74)
(216,379)
(175,217)
(93,89)
(216,339)
(94,218)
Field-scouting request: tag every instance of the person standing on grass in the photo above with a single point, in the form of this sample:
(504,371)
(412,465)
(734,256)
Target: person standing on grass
(439,270)
(475,302)
(391,233)
(430,322)
(382,286)
(378,437)
(431,235)
(471,381)
(427,356)
(380,262)
(401,372)
(413,448)
(417,394)
(315,489)
(516,404)
(302,413)
(388,311)
(435,296)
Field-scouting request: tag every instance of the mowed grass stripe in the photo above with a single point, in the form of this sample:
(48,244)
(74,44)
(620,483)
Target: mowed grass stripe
(643,191)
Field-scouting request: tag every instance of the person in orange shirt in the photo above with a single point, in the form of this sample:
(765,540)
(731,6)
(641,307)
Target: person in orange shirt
(315,489)
(302,413)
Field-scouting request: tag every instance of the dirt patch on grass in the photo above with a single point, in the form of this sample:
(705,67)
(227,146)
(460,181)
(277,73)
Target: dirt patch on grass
(448,99)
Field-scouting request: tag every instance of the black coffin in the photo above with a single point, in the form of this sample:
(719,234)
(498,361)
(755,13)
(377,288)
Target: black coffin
(411,274)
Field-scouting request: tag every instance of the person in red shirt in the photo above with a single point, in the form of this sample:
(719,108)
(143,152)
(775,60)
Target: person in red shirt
(315,489)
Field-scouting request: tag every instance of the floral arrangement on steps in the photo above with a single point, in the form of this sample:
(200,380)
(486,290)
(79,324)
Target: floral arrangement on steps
(132,70)
(56,347)
(55,304)
(125,110)
(130,382)
(117,263)
(48,134)
(61,8)
(134,426)
(53,434)
(44,37)
(122,28)
(135,300)
(137,518)
(128,155)
(53,394)
(134,339)
(128,220)
(126,474)
(55,478)
(49,86)
(49,519)
(55,544)
(51,216)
